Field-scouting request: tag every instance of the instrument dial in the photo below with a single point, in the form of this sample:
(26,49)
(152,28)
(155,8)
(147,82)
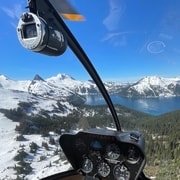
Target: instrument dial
(113,151)
(121,172)
(133,155)
(87,166)
(103,169)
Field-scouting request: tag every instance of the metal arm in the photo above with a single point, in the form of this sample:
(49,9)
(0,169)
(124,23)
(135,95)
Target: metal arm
(48,10)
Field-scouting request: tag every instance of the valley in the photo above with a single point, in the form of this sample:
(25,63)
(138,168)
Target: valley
(33,115)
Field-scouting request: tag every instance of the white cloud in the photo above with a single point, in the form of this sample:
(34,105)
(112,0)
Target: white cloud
(112,22)
(116,10)
(111,36)
(116,38)
(14,12)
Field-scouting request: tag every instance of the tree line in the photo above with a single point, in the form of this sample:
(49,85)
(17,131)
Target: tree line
(162,133)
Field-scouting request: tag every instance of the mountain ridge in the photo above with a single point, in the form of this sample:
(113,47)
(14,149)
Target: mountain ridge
(63,85)
(154,86)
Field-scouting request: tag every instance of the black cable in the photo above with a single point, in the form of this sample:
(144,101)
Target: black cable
(83,58)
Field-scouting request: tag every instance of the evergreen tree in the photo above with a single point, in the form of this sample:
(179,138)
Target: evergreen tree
(33,147)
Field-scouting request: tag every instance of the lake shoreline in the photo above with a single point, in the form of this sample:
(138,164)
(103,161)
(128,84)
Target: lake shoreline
(153,106)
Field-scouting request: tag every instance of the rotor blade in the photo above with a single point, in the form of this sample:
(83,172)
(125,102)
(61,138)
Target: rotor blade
(66,10)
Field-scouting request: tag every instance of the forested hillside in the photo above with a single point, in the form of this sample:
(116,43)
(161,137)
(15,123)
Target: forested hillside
(162,133)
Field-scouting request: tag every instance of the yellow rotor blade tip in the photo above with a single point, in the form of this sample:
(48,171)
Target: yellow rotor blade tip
(73,17)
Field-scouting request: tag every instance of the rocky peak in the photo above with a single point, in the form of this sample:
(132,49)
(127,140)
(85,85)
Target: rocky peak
(38,78)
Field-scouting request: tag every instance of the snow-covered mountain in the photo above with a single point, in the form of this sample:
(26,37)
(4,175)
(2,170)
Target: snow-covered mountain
(39,93)
(76,86)
(60,85)
(153,86)
(61,91)
(63,85)
(7,83)
(55,96)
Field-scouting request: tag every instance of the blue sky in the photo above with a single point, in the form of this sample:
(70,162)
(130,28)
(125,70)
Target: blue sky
(125,40)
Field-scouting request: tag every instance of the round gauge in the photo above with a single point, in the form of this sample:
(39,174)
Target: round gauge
(121,172)
(87,166)
(103,169)
(112,151)
(133,155)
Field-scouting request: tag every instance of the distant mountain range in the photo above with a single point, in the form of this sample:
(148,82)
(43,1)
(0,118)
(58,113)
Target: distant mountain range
(64,85)
(61,94)
(153,86)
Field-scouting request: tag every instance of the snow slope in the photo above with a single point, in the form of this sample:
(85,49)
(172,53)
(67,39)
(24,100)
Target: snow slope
(7,83)
(50,163)
(66,81)
(9,147)
(154,86)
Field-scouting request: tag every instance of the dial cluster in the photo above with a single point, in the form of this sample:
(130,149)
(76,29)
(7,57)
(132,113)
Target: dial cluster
(109,160)
(104,156)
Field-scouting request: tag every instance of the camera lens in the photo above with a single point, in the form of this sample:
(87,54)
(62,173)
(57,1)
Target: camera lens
(29,31)
(35,34)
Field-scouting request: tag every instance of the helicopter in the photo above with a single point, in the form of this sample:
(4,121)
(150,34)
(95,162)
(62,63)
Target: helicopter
(94,153)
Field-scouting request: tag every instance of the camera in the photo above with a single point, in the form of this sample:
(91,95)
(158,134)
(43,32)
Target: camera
(35,34)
